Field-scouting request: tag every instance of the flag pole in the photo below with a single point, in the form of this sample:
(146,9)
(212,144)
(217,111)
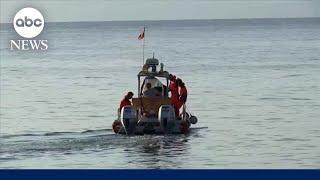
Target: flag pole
(144,31)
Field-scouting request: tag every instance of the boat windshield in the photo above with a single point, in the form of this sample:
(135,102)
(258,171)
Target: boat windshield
(155,89)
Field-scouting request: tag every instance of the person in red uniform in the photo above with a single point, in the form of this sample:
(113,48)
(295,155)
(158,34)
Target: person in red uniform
(126,100)
(183,94)
(174,89)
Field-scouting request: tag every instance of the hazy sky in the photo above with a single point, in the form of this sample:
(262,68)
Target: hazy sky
(108,10)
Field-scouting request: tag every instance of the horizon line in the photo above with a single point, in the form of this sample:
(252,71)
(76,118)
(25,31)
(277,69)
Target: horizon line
(258,18)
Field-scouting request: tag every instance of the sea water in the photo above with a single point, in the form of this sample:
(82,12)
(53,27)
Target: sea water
(253,84)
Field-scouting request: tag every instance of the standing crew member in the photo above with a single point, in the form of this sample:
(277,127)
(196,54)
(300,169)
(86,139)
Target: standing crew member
(183,93)
(174,89)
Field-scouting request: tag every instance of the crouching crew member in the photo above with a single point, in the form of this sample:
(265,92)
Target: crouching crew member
(126,101)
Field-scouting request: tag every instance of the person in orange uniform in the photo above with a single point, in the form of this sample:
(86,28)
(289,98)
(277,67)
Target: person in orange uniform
(174,89)
(126,100)
(183,93)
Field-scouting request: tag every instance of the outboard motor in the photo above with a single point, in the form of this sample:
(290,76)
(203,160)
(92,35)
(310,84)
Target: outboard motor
(167,118)
(128,119)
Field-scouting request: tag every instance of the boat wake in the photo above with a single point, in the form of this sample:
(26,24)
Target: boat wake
(58,133)
(33,145)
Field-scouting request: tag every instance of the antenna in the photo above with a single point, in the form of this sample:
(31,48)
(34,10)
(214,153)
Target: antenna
(153,55)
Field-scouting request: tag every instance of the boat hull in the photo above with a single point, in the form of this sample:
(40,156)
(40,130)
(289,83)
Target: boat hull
(153,126)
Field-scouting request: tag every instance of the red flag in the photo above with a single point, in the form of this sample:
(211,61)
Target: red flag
(141,35)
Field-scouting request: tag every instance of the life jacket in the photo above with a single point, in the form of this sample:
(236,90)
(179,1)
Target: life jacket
(124,102)
(174,92)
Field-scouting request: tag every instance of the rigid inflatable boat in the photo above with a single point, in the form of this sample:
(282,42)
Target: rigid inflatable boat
(152,114)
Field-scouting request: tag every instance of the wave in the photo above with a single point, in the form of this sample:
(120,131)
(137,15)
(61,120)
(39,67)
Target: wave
(94,77)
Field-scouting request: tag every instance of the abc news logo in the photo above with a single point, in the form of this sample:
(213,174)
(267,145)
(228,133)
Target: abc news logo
(28,23)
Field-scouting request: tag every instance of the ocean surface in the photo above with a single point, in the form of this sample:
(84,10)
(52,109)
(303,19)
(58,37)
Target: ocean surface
(253,84)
